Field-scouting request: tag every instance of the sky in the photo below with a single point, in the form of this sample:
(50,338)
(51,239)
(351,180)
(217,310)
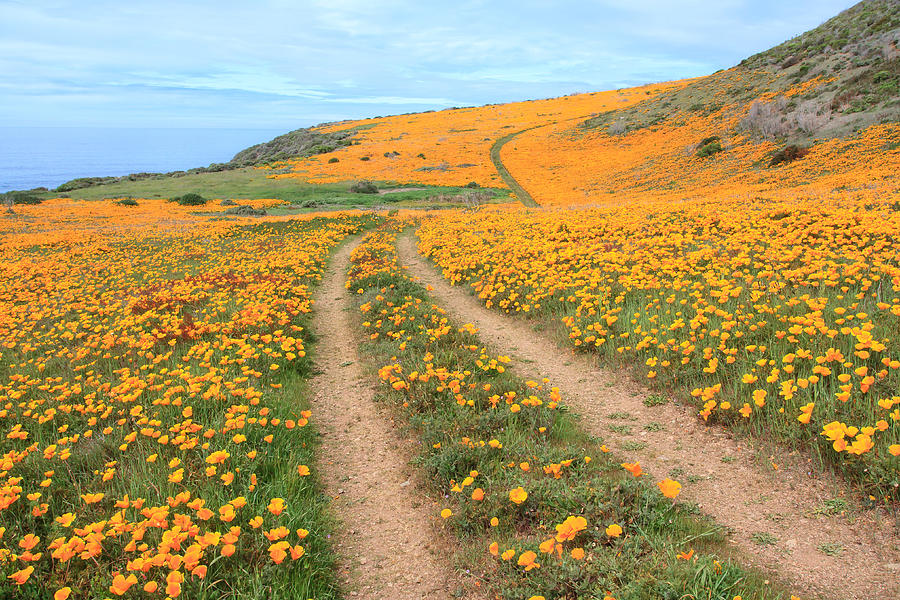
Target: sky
(289,64)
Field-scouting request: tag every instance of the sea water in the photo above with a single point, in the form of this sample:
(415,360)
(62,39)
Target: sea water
(33,157)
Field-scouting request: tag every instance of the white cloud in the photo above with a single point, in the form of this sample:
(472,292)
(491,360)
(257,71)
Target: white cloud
(280,61)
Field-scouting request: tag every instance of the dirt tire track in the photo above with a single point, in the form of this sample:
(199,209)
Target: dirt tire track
(388,543)
(742,495)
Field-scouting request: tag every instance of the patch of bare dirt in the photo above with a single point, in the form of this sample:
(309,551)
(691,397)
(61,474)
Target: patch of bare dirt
(388,544)
(779,518)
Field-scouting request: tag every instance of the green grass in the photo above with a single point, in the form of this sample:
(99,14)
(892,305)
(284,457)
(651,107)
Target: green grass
(831,549)
(621,429)
(523,196)
(828,508)
(621,416)
(253,184)
(655,400)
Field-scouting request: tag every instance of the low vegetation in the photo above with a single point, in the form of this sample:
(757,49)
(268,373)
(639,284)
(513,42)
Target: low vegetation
(540,508)
(158,438)
(752,310)
(364,187)
(190,199)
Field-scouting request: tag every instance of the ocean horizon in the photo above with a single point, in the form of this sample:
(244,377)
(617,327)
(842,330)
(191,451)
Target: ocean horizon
(32,157)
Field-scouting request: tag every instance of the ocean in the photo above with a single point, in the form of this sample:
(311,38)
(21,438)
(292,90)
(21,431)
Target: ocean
(33,157)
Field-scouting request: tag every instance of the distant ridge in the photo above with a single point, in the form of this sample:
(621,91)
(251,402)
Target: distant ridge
(856,56)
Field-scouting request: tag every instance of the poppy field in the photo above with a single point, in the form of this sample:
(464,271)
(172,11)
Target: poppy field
(542,509)
(780,317)
(155,443)
(448,147)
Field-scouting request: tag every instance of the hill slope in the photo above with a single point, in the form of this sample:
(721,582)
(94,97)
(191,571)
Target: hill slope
(818,112)
(829,97)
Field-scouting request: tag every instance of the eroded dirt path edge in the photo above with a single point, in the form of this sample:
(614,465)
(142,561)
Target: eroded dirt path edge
(776,516)
(387,544)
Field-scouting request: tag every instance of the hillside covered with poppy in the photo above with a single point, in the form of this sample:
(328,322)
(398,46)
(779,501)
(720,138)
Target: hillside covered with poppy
(817,113)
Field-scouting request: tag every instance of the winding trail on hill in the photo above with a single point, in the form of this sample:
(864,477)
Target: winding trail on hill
(388,545)
(523,196)
(777,517)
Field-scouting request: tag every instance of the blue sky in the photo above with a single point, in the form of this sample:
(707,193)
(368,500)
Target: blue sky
(283,64)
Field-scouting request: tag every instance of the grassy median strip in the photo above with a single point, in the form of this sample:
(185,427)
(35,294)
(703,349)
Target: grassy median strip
(540,508)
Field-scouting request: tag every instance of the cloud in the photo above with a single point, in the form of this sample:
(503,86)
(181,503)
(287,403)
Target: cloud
(283,63)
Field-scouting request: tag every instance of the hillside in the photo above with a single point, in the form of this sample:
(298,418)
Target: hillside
(820,110)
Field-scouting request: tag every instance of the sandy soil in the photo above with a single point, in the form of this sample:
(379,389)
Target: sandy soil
(389,546)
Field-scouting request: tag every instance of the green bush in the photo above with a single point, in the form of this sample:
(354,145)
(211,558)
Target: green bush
(889,87)
(83,182)
(126,202)
(364,187)
(246,211)
(190,199)
(20,198)
(709,149)
(333,159)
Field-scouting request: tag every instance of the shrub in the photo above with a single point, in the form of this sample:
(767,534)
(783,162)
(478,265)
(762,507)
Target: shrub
(767,118)
(473,185)
(709,149)
(617,127)
(10,198)
(333,159)
(126,202)
(789,153)
(889,87)
(321,149)
(364,158)
(83,182)
(246,211)
(190,199)
(364,187)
